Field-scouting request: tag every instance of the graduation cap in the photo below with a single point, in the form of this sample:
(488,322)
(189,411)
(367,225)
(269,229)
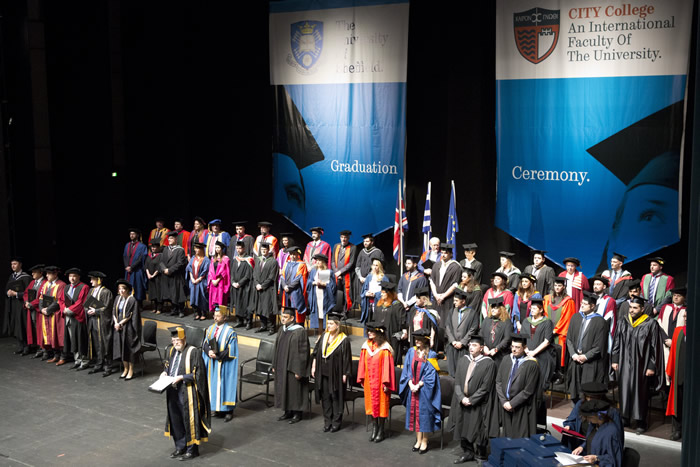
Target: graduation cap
(428,264)
(200,220)
(528,276)
(239,223)
(125,283)
(388,286)
(589,297)
(17,258)
(496,301)
(316,229)
(215,222)
(634,284)
(136,230)
(470,246)
(470,271)
(460,293)
(375,327)
(347,233)
(620,257)
(518,340)
(639,301)
(657,259)
(177,332)
(238,243)
(571,259)
(600,278)
(155,242)
(536,298)
(202,245)
(653,145)
(293,250)
(502,275)
(506,254)
(422,334)
(594,407)
(369,235)
(159,219)
(413,258)
(423,292)
(333,316)
(172,233)
(264,224)
(560,279)
(680,291)
(476,338)
(221,244)
(320,256)
(287,235)
(265,245)
(538,252)
(178,219)
(97,274)
(74,271)
(53,269)
(291,135)
(594,389)
(446,247)
(37,267)
(288,310)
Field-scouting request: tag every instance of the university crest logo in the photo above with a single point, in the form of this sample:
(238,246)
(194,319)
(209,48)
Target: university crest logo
(536,33)
(307,43)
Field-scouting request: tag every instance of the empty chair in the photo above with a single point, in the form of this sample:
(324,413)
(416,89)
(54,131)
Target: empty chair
(262,375)
(149,343)
(447,389)
(194,335)
(356,391)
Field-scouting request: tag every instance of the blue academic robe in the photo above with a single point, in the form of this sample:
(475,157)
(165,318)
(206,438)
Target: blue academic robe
(295,281)
(429,396)
(137,276)
(574,422)
(607,445)
(199,296)
(222,373)
(364,304)
(328,299)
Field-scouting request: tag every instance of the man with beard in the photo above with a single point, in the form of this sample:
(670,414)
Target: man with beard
(99,326)
(189,416)
(265,237)
(135,253)
(363,266)
(576,282)
(463,322)
(74,331)
(544,275)
(635,290)
(241,236)
(290,365)
(587,347)
(672,316)
(173,263)
(51,304)
(657,285)
(518,389)
(316,246)
(293,279)
(31,303)
(343,264)
(410,281)
(618,278)
(474,411)
(443,281)
(183,236)
(606,306)
(14,319)
(637,357)
(220,355)
(265,288)
(241,290)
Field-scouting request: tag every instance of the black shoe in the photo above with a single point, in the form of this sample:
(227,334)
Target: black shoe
(26,352)
(640,430)
(249,325)
(464,458)
(271,331)
(675,436)
(75,366)
(414,449)
(375,430)
(285,416)
(295,419)
(107,373)
(326,429)
(97,369)
(82,367)
(380,432)
(181,315)
(335,429)
(261,329)
(188,456)
(18,352)
(44,357)
(228,417)
(423,451)
(177,453)
(239,324)
(39,354)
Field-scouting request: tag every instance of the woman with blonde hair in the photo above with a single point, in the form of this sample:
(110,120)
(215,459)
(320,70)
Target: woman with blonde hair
(390,312)
(424,318)
(371,290)
(496,330)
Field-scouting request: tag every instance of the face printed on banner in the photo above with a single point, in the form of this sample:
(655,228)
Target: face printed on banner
(290,201)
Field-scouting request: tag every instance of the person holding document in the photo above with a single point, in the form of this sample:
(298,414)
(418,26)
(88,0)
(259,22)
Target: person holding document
(220,356)
(603,445)
(320,291)
(189,416)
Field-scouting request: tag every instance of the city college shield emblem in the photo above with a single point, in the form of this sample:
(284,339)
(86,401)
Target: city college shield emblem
(536,33)
(307,42)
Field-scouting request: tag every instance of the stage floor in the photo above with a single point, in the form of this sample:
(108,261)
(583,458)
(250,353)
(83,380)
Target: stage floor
(57,416)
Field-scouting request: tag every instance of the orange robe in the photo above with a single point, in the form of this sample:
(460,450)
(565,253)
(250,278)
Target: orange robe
(678,334)
(375,372)
(567,309)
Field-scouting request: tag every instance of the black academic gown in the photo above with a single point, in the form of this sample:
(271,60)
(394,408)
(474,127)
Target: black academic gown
(174,260)
(14,318)
(265,275)
(477,422)
(394,318)
(100,326)
(460,330)
(336,364)
(477,266)
(525,394)
(420,319)
(594,345)
(193,395)
(535,336)
(291,358)
(637,349)
(497,334)
(127,341)
(443,280)
(241,297)
(155,285)
(545,278)
(363,266)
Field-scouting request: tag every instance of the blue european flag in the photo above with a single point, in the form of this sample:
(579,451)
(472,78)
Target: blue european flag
(452,224)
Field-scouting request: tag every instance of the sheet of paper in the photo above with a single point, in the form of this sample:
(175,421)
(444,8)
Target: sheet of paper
(162,383)
(569,459)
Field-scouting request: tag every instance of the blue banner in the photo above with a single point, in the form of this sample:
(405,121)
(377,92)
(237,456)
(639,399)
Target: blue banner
(340,113)
(590,113)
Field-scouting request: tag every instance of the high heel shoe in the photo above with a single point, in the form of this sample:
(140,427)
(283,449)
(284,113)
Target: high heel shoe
(129,378)
(415,449)
(122,376)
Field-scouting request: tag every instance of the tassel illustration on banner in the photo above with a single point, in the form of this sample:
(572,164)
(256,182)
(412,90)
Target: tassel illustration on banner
(400,224)
(426,222)
(452,224)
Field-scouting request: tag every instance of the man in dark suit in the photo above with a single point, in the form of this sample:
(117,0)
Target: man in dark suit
(462,322)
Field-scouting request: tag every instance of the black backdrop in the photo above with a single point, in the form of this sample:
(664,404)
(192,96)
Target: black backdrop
(193,98)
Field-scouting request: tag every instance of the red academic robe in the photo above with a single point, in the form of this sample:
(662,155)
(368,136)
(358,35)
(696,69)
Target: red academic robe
(33,331)
(274,244)
(346,277)
(678,334)
(323,248)
(50,328)
(580,283)
(77,307)
(375,371)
